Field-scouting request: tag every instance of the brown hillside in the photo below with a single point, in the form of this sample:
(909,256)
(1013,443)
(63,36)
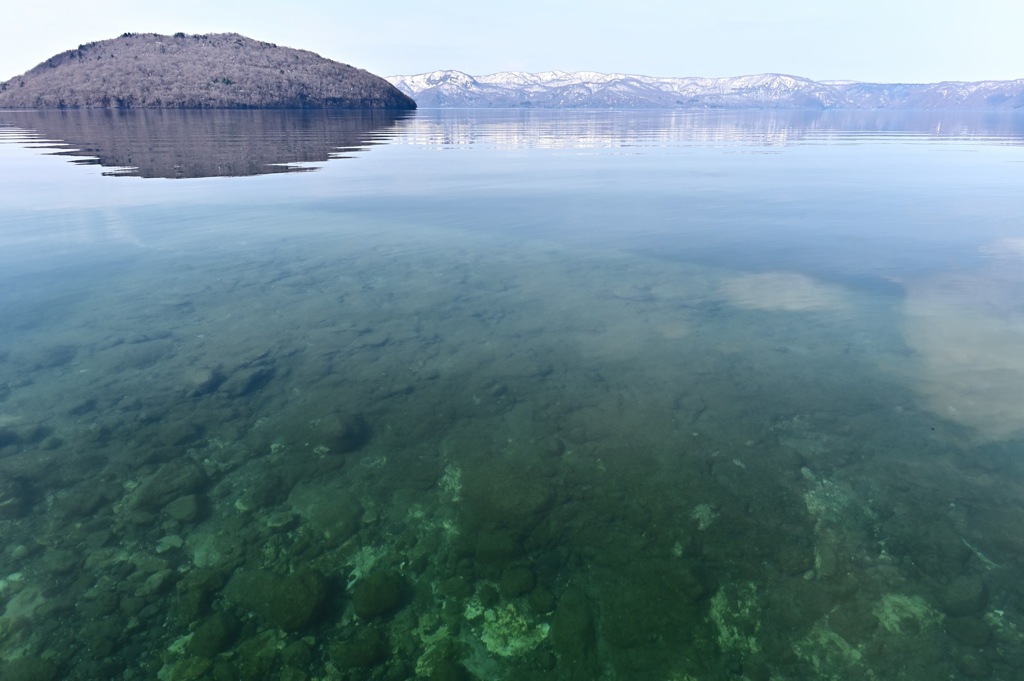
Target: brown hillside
(224,70)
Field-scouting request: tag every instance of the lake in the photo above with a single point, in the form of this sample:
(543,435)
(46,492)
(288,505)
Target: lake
(512,395)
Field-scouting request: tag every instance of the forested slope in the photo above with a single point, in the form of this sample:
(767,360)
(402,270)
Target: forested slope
(223,70)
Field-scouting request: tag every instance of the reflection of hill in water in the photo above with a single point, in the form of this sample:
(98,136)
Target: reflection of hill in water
(206,143)
(212,142)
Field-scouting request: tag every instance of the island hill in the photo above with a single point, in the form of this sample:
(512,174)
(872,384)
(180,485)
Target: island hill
(223,71)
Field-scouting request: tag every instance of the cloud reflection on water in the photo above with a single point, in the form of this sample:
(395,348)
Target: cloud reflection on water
(968,330)
(782,291)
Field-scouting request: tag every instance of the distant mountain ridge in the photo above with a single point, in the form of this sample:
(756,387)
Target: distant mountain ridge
(222,70)
(588,89)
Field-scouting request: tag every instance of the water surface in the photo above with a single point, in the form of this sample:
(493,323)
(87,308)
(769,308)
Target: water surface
(521,395)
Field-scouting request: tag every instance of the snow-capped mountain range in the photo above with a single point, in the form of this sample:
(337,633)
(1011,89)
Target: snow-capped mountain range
(587,89)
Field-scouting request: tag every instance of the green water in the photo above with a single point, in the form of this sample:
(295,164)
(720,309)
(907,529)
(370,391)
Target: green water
(513,396)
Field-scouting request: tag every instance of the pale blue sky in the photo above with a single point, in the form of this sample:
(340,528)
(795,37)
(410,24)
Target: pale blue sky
(873,40)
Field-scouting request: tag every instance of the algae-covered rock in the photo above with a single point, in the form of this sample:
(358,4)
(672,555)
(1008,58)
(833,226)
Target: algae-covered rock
(973,665)
(553,446)
(488,595)
(329,508)
(290,602)
(381,593)
(447,669)
(494,548)
(542,600)
(15,498)
(9,438)
(964,595)
(156,583)
(85,499)
(189,669)
(365,650)
(174,434)
(247,381)
(903,614)
(213,635)
(517,581)
(257,658)
(297,654)
(798,603)
(264,487)
(59,561)
(292,674)
(205,380)
(651,606)
(29,668)
(854,621)
(194,593)
(509,631)
(506,494)
(455,587)
(172,480)
(342,433)
(183,509)
(971,631)
(573,635)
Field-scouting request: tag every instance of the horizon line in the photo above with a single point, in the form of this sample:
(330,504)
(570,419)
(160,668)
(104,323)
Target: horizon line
(746,75)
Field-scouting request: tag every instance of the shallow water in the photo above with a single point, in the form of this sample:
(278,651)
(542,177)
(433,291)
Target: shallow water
(512,395)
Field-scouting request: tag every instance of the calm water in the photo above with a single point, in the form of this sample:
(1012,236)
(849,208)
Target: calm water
(507,395)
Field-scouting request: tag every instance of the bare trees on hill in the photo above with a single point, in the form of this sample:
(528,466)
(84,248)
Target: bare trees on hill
(196,71)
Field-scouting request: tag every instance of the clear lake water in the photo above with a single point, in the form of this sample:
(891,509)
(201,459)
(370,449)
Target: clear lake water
(523,395)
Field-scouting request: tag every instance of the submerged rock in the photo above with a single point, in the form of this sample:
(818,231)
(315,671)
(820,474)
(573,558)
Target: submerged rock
(379,594)
(172,480)
(9,437)
(29,668)
(59,561)
(542,600)
(175,434)
(508,494)
(517,581)
(495,548)
(342,433)
(247,381)
(256,658)
(971,631)
(447,669)
(573,635)
(183,509)
(85,499)
(297,654)
(213,635)
(290,603)
(965,595)
(332,509)
(973,665)
(854,621)
(195,591)
(366,650)
(205,381)
(15,498)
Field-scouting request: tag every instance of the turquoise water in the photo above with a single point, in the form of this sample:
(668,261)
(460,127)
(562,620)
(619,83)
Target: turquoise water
(511,395)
